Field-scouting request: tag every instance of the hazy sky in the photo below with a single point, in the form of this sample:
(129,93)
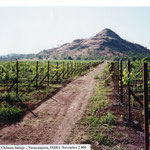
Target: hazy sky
(32,29)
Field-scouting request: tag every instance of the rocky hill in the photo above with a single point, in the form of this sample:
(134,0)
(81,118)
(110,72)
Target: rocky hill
(104,44)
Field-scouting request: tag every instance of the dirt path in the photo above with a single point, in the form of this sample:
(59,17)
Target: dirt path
(56,116)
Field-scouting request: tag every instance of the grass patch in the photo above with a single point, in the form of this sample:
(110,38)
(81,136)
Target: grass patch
(117,148)
(98,123)
(8,112)
(108,119)
(9,97)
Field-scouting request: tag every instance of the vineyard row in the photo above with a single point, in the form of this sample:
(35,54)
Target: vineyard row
(131,84)
(20,75)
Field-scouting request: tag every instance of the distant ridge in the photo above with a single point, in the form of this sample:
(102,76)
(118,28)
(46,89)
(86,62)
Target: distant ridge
(106,43)
(14,56)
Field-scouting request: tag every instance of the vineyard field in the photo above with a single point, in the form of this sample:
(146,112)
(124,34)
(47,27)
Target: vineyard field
(131,84)
(26,84)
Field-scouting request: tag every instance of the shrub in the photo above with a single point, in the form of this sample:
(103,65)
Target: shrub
(8,113)
(107,80)
(108,119)
(103,139)
(116,148)
(9,97)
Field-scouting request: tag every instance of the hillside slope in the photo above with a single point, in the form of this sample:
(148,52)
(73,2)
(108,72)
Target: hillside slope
(106,43)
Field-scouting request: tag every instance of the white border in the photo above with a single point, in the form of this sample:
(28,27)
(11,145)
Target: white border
(46,147)
(85,3)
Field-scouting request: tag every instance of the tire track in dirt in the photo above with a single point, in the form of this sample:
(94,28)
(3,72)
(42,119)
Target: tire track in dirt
(56,116)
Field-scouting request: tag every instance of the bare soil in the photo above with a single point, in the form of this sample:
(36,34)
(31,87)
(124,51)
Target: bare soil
(56,116)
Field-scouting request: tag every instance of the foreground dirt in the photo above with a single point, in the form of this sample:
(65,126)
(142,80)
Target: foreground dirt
(56,116)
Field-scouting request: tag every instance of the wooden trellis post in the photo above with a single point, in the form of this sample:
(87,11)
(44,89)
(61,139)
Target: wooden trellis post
(75,68)
(37,74)
(63,70)
(115,76)
(71,69)
(118,76)
(121,83)
(57,71)
(67,69)
(129,101)
(145,104)
(17,74)
(48,74)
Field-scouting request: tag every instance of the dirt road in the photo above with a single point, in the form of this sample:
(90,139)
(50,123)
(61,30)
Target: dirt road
(56,116)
